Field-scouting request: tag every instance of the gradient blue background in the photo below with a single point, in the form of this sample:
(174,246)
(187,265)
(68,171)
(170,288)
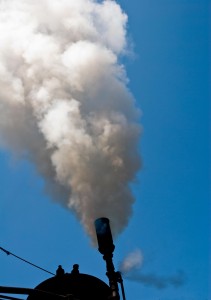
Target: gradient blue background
(169,79)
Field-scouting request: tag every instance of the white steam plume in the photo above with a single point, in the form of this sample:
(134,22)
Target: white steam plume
(64,103)
(131,262)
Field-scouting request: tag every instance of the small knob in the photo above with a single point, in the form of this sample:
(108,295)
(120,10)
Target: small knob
(75,269)
(59,271)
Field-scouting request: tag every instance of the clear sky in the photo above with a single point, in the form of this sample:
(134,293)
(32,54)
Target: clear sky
(170,224)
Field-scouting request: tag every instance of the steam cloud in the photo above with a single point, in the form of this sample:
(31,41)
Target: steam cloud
(65,105)
(130,268)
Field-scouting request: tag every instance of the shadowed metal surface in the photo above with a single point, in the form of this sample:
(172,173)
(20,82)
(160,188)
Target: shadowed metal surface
(79,286)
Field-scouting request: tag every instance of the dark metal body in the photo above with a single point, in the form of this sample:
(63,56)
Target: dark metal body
(74,285)
(67,286)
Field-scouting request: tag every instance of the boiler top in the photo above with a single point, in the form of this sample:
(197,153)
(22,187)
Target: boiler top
(80,286)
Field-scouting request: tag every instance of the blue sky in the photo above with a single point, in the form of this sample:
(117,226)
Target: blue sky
(170,224)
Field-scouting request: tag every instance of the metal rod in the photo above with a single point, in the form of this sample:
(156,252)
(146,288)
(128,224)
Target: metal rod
(8,297)
(120,280)
(26,261)
(27,291)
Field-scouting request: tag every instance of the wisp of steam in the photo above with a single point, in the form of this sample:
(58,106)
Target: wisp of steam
(130,267)
(132,261)
(65,104)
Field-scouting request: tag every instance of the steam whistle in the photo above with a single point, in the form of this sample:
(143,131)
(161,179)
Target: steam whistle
(106,247)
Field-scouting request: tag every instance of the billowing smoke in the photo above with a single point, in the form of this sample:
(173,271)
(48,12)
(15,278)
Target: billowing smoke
(130,269)
(65,105)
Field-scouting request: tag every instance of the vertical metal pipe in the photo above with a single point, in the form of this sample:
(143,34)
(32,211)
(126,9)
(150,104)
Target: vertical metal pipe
(106,247)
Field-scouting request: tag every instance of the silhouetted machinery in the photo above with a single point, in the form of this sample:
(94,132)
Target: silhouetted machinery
(75,285)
